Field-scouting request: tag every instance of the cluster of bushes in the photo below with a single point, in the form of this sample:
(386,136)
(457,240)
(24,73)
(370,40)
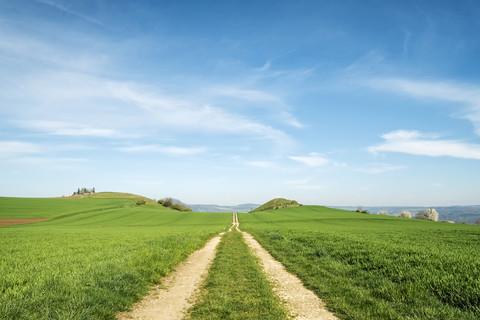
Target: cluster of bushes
(361,210)
(141,202)
(169,203)
(429,214)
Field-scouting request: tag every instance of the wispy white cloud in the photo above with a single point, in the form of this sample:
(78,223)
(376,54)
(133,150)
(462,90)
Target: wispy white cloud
(70,11)
(188,114)
(376,168)
(304,184)
(266,66)
(24,50)
(258,99)
(67,93)
(261,164)
(246,94)
(68,129)
(117,106)
(418,143)
(465,94)
(147,182)
(405,42)
(50,160)
(169,150)
(312,160)
(17,148)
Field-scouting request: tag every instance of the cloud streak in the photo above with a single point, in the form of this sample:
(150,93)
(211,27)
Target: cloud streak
(169,150)
(465,94)
(69,11)
(377,168)
(418,143)
(312,160)
(10,149)
(68,129)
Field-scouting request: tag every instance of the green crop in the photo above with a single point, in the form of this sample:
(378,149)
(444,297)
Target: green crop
(376,267)
(90,264)
(25,208)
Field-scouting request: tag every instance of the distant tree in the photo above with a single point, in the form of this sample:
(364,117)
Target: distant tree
(422,215)
(430,214)
(405,214)
(365,211)
(160,202)
(168,203)
(141,202)
(382,212)
(359,209)
(93,190)
(179,207)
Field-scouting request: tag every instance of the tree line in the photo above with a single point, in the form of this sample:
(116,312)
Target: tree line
(429,214)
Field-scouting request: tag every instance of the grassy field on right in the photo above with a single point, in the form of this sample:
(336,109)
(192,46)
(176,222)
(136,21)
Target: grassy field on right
(376,267)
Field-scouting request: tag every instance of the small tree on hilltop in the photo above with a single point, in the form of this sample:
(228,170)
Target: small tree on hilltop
(382,212)
(405,214)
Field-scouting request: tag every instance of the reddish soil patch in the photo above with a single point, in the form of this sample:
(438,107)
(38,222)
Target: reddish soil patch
(11,222)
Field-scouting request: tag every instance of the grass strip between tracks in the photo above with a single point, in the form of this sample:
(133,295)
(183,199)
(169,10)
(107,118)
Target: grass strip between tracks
(236,288)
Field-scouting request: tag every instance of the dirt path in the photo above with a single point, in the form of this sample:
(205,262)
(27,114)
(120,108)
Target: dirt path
(302,303)
(172,300)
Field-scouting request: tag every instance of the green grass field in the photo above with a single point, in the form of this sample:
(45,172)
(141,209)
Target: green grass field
(90,261)
(376,267)
(96,256)
(120,195)
(25,208)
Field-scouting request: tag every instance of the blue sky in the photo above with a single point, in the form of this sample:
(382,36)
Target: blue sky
(227,102)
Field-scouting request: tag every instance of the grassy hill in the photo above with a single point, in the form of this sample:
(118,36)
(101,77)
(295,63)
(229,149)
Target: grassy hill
(120,195)
(27,208)
(277,203)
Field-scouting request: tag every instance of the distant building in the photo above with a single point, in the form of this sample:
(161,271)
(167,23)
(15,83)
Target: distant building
(83,191)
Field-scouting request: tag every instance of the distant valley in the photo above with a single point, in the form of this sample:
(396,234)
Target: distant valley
(458,214)
(217,208)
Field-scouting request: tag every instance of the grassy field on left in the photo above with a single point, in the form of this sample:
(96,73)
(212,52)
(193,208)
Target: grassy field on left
(94,260)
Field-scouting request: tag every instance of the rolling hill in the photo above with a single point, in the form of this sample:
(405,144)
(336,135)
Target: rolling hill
(277,203)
